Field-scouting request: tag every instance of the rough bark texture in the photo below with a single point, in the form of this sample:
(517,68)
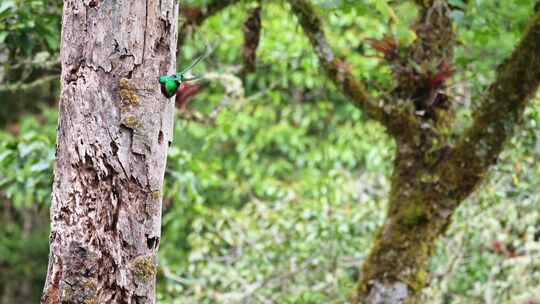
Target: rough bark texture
(113,134)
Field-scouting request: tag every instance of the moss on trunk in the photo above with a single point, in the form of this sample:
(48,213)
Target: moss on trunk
(395,271)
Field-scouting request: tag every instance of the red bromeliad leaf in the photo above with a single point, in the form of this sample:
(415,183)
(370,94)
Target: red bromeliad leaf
(185,94)
(343,66)
(191,13)
(498,247)
(444,71)
(387,46)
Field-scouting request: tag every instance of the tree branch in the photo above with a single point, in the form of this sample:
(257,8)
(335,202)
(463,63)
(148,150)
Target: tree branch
(494,122)
(195,16)
(252,37)
(335,68)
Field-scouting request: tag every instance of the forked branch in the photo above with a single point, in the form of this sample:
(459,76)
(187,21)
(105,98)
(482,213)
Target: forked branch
(195,16)
(335,68)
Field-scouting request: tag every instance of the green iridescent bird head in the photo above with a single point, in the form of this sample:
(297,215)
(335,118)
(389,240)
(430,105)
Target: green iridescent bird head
(170,84)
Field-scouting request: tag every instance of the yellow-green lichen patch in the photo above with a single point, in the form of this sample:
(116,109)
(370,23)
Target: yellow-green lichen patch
(156,195)
(130,122)
(143,268)
(127,93)
(412,214)
(409,210)
(404,244)
(67,293)
(82,290)
(89,285)
(124,83)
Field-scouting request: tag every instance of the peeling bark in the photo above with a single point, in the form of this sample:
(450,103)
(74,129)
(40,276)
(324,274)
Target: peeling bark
(113,134)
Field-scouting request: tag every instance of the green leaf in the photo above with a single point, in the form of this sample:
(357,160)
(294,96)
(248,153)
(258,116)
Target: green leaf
(3,36)
(6,5)
(404,35)
(385,9)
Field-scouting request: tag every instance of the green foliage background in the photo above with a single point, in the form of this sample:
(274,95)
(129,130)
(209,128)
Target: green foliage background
(277,202)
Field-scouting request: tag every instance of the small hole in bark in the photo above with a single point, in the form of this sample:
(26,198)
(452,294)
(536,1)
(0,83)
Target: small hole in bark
(117,47)
(114,147)
(152,242)
(88,160)
(160,137)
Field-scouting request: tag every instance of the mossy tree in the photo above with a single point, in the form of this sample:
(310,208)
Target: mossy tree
(433,172)
(435,169)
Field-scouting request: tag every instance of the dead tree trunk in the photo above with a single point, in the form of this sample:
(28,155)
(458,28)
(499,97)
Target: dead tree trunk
(113,133)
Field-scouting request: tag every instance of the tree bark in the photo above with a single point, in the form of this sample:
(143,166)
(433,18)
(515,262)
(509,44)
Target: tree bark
(396,268)
(114,130)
